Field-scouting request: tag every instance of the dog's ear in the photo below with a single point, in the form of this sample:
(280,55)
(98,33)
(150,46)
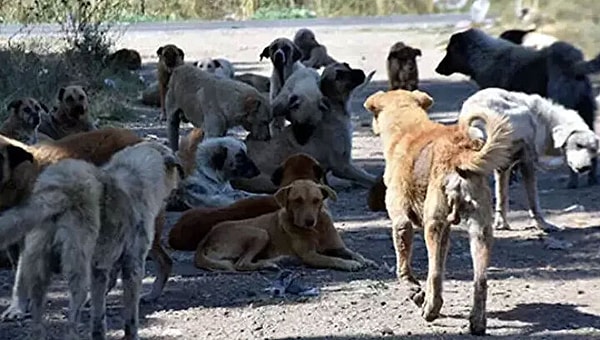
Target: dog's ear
(281,196)
(159,51)
(560,134)
(44,107)
(61,93)
(296,53)
(17,155)
(424,100)
(320,175)
(217,63)
(357,76)
(14,105)
(277,176)
(265,53)
(180,52)
(219,157)
(373,102)
(416,52)
(328,192)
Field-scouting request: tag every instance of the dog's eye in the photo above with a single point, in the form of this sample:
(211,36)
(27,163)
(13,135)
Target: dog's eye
(298,200)
(80,97)
(316,201)
(37,108)
(27,110)
(580,146)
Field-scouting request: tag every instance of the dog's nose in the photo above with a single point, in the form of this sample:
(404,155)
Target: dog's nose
(309,222)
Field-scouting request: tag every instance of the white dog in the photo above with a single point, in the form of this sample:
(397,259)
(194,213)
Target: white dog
(220,67)
(540,126)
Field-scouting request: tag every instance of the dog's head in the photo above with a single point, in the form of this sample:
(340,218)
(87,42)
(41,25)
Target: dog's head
(403,53)
(303,200)
(213,66)
(228,155)
(257,116)
(27,111)
(579,146)
(381,101)
(305,40)
(339,79)
(73,104)
(17,174)
(170,55)
(515,36)
(281,51)
(458,53)
(298,166)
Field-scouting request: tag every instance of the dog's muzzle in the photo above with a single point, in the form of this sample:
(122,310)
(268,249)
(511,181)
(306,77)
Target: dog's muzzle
(302,132)
(279,58)
(34,120)
(77,111)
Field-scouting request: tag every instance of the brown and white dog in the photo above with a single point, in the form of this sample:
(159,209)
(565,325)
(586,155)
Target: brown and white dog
(71,116)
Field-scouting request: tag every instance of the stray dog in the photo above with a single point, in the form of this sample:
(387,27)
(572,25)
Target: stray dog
(528,38)
(219,67)
(195,223)
(314,55)
(125,58)
(330,143)
(538,123)
(23,120)
(169,57)
(402,68)
(261,83)
(298,230)
(70,117)
(117,204)
(285,57)
(217,161)
(436,176)
(214,105)
(557,72)
(301,102)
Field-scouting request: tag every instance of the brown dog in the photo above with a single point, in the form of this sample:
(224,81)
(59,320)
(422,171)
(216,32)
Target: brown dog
(302,229)
(402,68)
(70,117)
(23,120)
(125,58)
(435,176)
(169,57)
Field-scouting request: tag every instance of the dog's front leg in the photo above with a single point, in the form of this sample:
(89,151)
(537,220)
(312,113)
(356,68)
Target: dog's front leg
(173,121)
(98,313)
(346,253)
(501,179)
(530,184)
(311,257)
(592,179)
(18,304)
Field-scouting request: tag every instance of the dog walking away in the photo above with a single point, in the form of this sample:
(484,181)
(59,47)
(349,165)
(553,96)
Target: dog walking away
(436,176)
(94,219)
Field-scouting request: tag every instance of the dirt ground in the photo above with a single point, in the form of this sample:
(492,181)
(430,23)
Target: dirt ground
(537,288)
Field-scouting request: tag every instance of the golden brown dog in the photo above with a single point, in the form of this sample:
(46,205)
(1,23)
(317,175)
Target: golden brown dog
(169,57)
(70,117)
(125,58)
(23,120)
(435,176)
(297,230)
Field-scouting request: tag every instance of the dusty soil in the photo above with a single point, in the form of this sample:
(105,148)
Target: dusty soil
(534,289)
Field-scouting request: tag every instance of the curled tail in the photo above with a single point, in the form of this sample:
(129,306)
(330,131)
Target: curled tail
(496,150)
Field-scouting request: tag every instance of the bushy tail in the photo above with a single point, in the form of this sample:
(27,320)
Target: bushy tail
(187,150)
(495,152)
(16,222)
(587,67)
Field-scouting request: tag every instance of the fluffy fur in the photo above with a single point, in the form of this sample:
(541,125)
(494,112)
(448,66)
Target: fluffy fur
(436,175)
(301,229)
(70,117)
(117,206)
(540,126)
(215,105)
(169,57)
(330,143)
(220,67)
(23,120)
(314,55)
(558,72)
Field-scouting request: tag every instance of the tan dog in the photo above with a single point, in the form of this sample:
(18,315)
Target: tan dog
(169,57)
(125,58)
(298,230)
(70,117)
(436,175)
(214,104)
(23,120)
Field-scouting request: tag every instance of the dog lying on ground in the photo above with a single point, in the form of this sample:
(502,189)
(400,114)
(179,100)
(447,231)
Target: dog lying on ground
(436,176)
(169,57)
(125,58)
(558,72)
(215,105)
(297,230)
(261,83)
(330,143)
(70,117)
(219,67)
(528,38)
(23,120)
(539,126)
(285,57)
(207,182)
(314,55)
(117,204)
(301,102)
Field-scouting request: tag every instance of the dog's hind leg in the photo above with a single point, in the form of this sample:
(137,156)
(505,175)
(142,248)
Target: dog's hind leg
(98,313)
(501,179)
(402,236)
(18,304)
(162,261)
(530,184)
(36,277)
(257,239)
(132,276)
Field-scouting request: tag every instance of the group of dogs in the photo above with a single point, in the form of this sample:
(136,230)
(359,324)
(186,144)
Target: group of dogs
(90,203)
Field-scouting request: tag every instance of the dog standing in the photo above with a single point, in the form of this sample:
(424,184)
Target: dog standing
(70,117)
(558,72)
(539,125)
(23,120)
(169,57)
(314,55)
(436,176)
(220,67)
(402,68)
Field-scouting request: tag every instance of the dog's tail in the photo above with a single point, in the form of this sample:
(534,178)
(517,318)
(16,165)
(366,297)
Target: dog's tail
(587,67)
(18,221)
(187,150)
(495,152)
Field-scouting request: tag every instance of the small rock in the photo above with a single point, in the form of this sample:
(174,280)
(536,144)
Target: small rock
(387,331)
(579,292)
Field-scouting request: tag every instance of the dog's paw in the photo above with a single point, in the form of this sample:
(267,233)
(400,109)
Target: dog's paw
(477,324)
(545,226)
(431,309)
(501,224)
(352,266)
(370,263)
(13,312)
(417,295)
